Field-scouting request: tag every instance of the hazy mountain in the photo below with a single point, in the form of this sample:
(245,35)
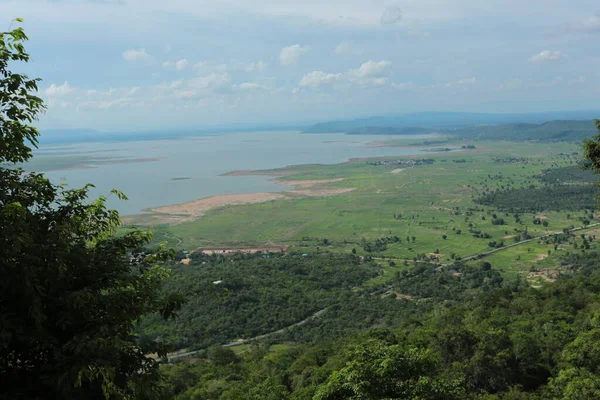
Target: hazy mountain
(446,120)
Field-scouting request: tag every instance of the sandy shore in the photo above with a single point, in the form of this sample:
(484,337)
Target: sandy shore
(178,213)
(197,208)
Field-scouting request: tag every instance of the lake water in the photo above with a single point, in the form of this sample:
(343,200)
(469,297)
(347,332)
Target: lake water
(204,159)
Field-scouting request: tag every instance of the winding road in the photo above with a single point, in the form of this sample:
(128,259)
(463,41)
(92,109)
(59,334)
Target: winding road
(487,253)
(178,356)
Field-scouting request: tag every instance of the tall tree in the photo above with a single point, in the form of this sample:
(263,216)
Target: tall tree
(591,149)
(70,289)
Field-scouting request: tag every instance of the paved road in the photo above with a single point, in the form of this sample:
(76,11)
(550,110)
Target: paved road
(487,253)
(174,357)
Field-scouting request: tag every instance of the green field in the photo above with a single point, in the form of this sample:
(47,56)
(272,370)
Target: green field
(425,202)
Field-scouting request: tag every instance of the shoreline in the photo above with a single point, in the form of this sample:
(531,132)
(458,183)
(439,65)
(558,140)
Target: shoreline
(191,210)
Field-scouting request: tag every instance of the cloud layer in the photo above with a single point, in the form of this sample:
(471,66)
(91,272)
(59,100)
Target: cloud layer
(546,56)
(290,55)
(194,63)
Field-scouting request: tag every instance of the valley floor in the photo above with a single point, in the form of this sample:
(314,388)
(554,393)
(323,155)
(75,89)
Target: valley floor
(383,209)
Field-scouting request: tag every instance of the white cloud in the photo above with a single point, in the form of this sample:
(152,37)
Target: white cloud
(136,55)
(291,54)
(554,82)
(580,80)
(369,73)
(185,94)
(376,81)
(401,85)
(316,79)
(512,84)
(259,66)
(206,67)
(57,91)
(211,81)
(391,15)
(418,33)
(346,49)
(591,24)
(463,82)
(181,64)
(517,84)
(169,85)
(371,69)
(249,86)
(546,56)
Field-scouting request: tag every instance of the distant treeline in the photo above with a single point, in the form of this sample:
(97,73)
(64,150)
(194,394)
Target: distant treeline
(568,188)
(543,198)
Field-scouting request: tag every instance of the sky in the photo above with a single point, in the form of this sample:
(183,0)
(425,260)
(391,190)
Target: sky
(124,65)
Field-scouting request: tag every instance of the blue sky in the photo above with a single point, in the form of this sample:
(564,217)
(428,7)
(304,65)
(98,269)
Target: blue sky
(178,64)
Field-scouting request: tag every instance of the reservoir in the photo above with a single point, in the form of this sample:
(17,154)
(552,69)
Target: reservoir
(153,173)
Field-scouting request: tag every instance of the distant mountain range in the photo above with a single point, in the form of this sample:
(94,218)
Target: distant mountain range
(567,125)
(575,126)
(407,123)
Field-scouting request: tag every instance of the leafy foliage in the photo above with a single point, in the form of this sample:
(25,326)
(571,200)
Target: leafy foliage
(19,107)
(254,295)
(70,291)
(571,174)
(546,198)
(471,339)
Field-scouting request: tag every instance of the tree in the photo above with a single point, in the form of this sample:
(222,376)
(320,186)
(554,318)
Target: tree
(377,370)
(591,151)
(222,355)
(70,289)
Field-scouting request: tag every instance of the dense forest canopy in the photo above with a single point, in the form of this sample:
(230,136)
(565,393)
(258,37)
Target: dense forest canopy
(461,333)
(254,295)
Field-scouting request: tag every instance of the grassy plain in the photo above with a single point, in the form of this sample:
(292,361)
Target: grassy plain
(425,202)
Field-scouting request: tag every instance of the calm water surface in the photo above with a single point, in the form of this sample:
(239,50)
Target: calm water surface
(203,159)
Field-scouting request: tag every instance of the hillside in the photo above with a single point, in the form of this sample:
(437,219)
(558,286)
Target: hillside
(447,120)
(375,130)
(557,130)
